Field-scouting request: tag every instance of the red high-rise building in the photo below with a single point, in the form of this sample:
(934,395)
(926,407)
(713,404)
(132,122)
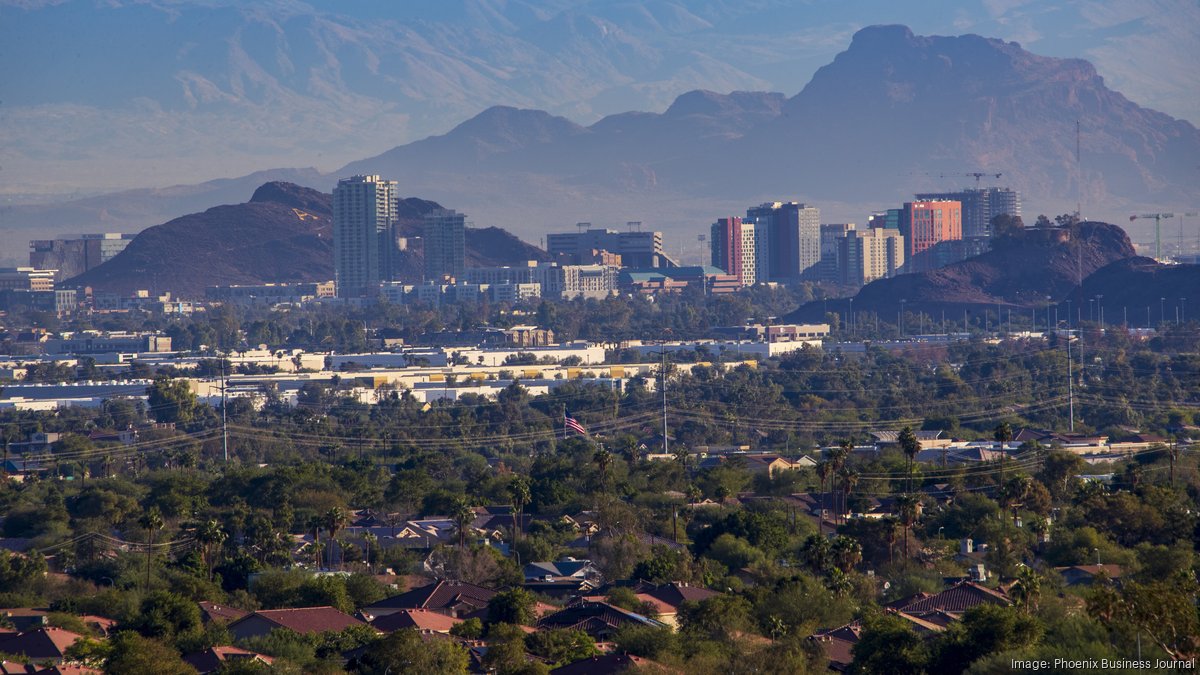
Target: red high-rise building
(733,249)
(926,223)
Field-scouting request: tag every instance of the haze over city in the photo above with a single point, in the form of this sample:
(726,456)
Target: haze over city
(581,337)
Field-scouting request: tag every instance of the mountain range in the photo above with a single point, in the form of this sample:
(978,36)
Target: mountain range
(894,114)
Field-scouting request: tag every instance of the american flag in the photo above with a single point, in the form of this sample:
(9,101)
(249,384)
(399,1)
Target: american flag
(573,424)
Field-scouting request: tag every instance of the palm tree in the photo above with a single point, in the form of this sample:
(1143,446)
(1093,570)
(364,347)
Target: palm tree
(849,479)
(893,524)
(602,459)
(1027,589)
(629,445)
(906,506)
(314,525)
(152,521)
(210,535)
(824,471)
(335,519)
(846,552)
(370,540)
(462,515)
(1003,434)
(1013,494)
(911,446)
(518,494)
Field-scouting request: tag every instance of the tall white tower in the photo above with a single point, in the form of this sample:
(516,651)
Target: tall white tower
(364,238)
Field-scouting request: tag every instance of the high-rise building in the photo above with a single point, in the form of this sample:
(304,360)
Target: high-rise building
(830,233)
(789,246)
(72,257)
(364,237)
(734,249)
(926,223)
(445,244)
(866,255)
(636,248)
(979,206)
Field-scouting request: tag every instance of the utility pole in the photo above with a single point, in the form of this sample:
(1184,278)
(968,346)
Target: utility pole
(662,384)
(224,425)
(1070,382)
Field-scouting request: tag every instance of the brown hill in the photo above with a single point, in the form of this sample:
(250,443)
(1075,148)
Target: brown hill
(1020,273)
(283,234)
(1142,292)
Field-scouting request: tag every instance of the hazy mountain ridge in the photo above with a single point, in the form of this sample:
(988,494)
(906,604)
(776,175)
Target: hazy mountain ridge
(882,121)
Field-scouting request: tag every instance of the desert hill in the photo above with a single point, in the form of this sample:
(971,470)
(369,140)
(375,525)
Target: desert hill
(283,234)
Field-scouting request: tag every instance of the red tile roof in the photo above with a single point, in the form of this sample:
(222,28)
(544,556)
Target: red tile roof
(305,620)
(958,598)
(421,619)
(443,595)
(210,660)
(212,611)
(47,643)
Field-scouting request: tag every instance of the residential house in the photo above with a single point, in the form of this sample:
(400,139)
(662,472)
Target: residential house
(46,644)
(1086,575)
(600,620)
(303,620)
(214,659)
(211,611)
(423,620)
(452,598)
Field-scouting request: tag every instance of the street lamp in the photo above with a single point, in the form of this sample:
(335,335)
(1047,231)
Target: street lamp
(900,321)
(1162,310)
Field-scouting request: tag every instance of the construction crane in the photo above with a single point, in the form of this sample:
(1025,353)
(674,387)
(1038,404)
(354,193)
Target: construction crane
(977,174)
(1157,229)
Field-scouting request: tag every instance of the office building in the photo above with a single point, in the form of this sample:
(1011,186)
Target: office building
(72,257)
(734,249)
(27,279)
(980,206)
(364,238)
(445,243)
(789,242)
(888,220)
(636,248)
(269,294)
(554,280)
(866,255)
(924,224)
(828,270)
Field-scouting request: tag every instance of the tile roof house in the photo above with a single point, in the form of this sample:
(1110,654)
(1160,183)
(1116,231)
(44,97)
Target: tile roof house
(453,598)
(40,644)
(957,599)
(214,659)
(927,613)
(211,611)
(303,620)
(424,620)
(598,619)
(1086,575)
(576,569)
